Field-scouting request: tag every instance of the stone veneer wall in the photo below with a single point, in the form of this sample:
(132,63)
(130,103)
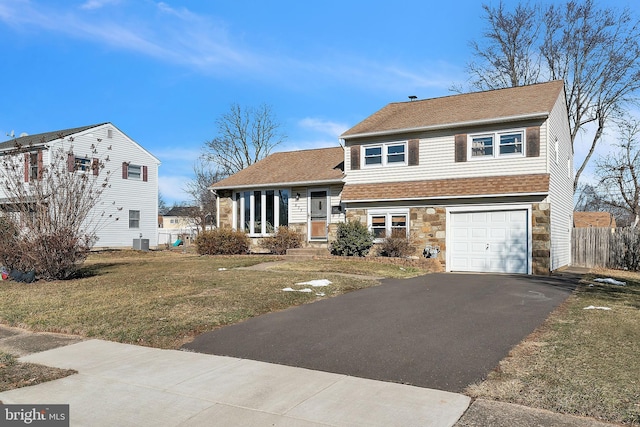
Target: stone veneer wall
(226,208)
(541,235)
(429,227)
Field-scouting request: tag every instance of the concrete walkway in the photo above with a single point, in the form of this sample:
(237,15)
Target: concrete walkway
(127,385)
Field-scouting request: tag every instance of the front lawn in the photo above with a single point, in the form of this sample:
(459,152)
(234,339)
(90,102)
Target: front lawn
(580,361)
(163,299)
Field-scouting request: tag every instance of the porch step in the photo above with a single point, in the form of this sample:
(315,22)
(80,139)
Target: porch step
(303,254)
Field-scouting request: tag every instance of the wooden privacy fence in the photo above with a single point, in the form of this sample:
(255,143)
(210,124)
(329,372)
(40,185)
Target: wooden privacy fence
(617,248)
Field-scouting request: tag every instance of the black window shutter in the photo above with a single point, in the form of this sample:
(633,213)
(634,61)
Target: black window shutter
(355,157)
(414,152)
(533,142)
(461,147)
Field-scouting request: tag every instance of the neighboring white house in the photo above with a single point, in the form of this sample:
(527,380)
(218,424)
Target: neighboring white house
(483,181)
(132,195)
(180,223)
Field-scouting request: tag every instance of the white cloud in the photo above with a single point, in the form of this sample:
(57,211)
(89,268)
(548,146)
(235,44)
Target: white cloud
(171,188)
(206,44)
(168,155)
(97,4)
(327,127)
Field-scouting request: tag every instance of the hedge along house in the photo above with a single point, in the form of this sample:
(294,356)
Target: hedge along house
(298,189)
(481,181)
(485,179)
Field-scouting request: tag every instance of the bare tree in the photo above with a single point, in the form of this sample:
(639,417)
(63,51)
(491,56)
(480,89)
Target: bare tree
(202,213)
(619,171)
(245,135)
(596,51)
(50,222)
(508,56)
(162,204)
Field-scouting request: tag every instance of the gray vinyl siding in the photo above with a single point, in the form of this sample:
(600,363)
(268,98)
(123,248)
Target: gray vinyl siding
(437,158)
(560,185)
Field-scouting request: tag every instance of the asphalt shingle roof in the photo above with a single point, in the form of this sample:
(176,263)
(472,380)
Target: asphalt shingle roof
(43,138)
(443,188)
(470,107)
(305,166)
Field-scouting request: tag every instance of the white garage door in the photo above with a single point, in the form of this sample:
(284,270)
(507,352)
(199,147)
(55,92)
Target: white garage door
(492,241)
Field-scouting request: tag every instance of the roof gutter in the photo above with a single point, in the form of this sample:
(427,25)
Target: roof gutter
(278,184)
(493,120)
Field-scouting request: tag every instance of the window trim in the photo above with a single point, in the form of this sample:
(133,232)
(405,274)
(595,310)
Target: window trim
(388,214)
(384,154)
(496,144)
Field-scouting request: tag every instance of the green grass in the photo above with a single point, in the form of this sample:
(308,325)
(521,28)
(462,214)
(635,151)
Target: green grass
(163,299)
(580,362)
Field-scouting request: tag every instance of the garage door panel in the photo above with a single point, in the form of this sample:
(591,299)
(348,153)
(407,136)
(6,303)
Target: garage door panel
(492,241)
(478,233)
(480,217)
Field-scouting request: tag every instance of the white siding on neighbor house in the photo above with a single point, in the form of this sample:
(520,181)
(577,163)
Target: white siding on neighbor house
(122,195)
(560,185)
(437,159)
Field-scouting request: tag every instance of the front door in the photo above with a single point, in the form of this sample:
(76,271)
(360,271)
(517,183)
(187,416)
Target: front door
(318,215)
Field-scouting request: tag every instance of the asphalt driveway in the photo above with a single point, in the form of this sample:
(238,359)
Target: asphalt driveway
(442,331)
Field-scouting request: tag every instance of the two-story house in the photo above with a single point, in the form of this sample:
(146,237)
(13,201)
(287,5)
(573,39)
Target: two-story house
(483,181)
(128,208)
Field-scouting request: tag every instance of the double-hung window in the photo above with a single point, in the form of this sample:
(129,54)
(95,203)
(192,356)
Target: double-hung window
(134,172)
(373,155)
(260,212)
(82,163)
(385,223)
(387,154)
(497,144)
(134,219)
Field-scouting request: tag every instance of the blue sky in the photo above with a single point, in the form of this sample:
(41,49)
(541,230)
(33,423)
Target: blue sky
(163,72)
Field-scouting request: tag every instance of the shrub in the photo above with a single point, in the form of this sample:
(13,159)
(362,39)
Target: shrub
(398,245)
(51,256)
(282,240)
(222,241)
(352,239)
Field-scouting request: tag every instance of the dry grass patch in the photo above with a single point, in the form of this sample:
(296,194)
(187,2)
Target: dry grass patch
(363,267)
(159,299)
(580,362)
(14,374)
